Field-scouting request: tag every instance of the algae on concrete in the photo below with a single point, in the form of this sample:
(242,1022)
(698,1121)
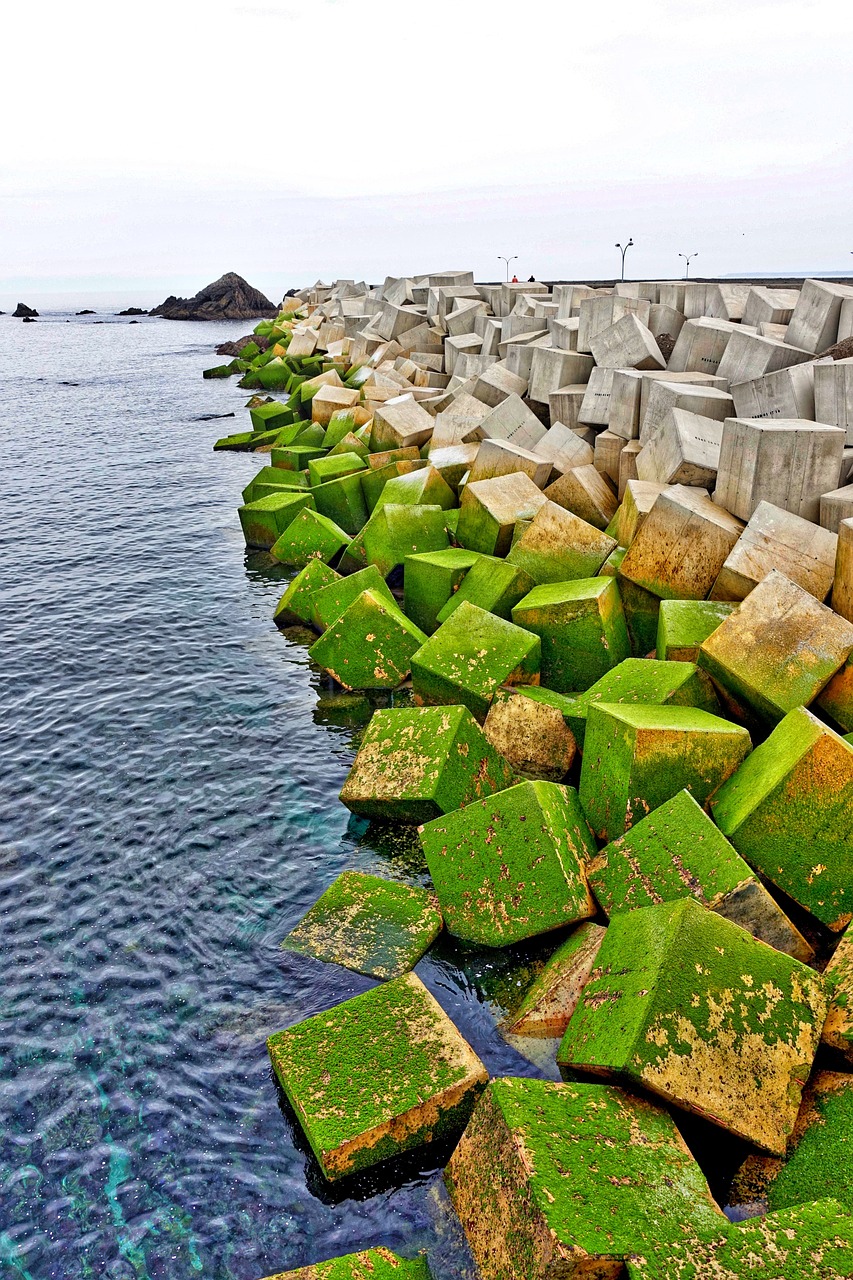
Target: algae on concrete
(370,646)
(582,628)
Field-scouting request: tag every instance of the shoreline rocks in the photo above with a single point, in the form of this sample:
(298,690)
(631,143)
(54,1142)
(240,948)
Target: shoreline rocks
(228,298)
(23,312)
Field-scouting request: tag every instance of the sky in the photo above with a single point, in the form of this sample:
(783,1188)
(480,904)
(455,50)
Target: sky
(155,146)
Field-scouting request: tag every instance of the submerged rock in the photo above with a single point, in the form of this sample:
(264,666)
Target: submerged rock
(228,298)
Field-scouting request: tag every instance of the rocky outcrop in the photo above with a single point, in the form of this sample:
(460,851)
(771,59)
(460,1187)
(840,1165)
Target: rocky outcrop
(22,311)
(228,298)
(234,348)
(133,311)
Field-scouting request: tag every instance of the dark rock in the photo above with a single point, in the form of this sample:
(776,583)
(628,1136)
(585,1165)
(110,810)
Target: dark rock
(229,298)
(87,312)
(28,319)
(234,348)
(209,417)
(22,311)
(133,311)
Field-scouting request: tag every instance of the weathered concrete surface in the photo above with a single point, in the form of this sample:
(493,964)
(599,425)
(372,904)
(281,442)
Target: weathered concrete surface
(684,625)
(814,322)
(585,492)
(833,394)
(842,589)
(681,546)
(370,646)
(685,449)
(787,462)
(776,539)
(706,401)
(559,546)
(489,510)
(626,344)
(530,735)
(552,997)
(367,1264)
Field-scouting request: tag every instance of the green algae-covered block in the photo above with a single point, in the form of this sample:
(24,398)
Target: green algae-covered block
(371,925)
(296,605)
(679,684)
(370,646)
(416,763)
(396,530)
(341,424)
(778,650)
(240,442)
(431,580)
(273,376)
(553,995)
(558,546)
(378,1075)
(342,500)
(570,1180)
(329,604)
(374,479)
(296,457)
(533,736)
(219,371)
(310,536)
(692,1007)
(349,444)
(511,866)
(265,520)
(272,479)
(423,486)
(334,465)
(642,611)
(636,757)
(836,700)
(789,812)
(367,1264)
(838,1028)
(677,851)
(490,509)
(582,628)
(491,584)
(684,626)
(269,416)
(470,656)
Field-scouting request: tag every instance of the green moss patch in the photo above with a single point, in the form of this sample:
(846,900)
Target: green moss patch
(310,536)
(368,1264)
(296,605)
(370,646)
(582,629)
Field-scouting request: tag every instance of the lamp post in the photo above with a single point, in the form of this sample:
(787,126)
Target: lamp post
(688,258)
(624,249)
(507,260)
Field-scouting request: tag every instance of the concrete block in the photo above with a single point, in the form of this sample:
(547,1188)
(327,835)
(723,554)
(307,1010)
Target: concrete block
(778,650)
(681,546)
(569,297)
(608,447)
(396,530)
(675,852)
(595,407)
(637,501)
(371,925)
(751,1024)
(496,383)
(776,539)
(330,601)
(367,1264)
(362,1090)
(597,313)
(510,866)
(565,404)
(559,546)
(774,306)
(470,656)
(563,333)
(726,301)
(582,628)
(501,457)
(265,520)
(329,400)
(294,607)
(461,318)
(369,646)
(585,492)
(665,322)
(564,449)
(838,1028)
(531,736)
(644,680)
(552,998)
(627,344)
(453,462)
(628,465)
(462,345)
(684,449)
(637,756)
(514,326)
(835,506)
(788,393)
(749,356)
(788,811)
(489,510)
(672,293)
(551,369)
(788,462)
(842,588)
(707,402)
(492,584)
(569,1158)
(430,580)
(630,392)
(310,536)
(511,420)
(833,395)
(816,316)
(701,346)
(399,423)
(415,763)
(392,321)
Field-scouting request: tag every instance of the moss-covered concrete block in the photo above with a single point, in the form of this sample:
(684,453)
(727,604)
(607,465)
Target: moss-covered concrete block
(416,763)
(681,546)
(367,1264)
(789,812)
(677,852)
(684,625)
(371,925)
(400,423)
(470,656)
(636,757)
(431,579)
(332,466)
(418,486)
(553,1180)
(557,546)
(270,480)
(374,480)
(296,457)
(264,521)
(491,584)
(836,698)
(582,628)
(342,500)
(397,530)
(378,1075)
(489,510)
(649,681)
(270,416)
(692,1007)
(838,1028)
(309,536)
(778,650)
(552,997)
(511,866)
(533,736)
(370,646)
(296,605)
(329,602)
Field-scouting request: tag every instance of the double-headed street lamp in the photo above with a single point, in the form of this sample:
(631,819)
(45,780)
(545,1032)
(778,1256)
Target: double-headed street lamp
(507,260)
(624,249)
(688,258)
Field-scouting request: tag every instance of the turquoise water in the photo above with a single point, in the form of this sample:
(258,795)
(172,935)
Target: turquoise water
(168,810)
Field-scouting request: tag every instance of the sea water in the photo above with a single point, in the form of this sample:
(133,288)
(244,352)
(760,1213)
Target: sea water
(168,811)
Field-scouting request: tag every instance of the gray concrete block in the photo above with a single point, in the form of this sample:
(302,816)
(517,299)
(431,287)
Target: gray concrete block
(814,323)
(564,449)
(518,352)
(707,402)
(788,462)
(468,344)
(788,393)
(627,344)
(842,590)
(511,420)
(595,408)
(565,403)
(665,321)
(833,395)
(749,356)
(586,493)
(551,369)
(628,465)
(564,333)
(502,457)
(596,314)
(684,449)
(776,539)
(835,506)
(606,456)
(774,306)
(701,345)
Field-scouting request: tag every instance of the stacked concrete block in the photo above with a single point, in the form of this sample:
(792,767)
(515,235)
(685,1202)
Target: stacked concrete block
(701,345)
(565,404)
(597,314)
(777,539)
(835,506)
(842,587)
(773,306)
(684,449)
(563,449)
(665,322)
(502,457)
(681,547)
(749,356)
(786,394)
(490,509)
(595,407)
(816,316)
(551,369)
(627,344)
(833,394)
(586,492)
(788,462)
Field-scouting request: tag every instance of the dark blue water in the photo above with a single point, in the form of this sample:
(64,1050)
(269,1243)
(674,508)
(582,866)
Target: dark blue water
(168,810)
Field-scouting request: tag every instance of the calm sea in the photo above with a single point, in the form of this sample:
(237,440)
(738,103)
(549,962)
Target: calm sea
(168,810)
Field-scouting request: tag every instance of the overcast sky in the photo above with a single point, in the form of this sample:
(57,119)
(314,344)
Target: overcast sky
(154,146)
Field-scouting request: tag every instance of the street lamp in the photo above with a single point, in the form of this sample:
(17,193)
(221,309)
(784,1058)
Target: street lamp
(624,248)
(507,260)
(688,258)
